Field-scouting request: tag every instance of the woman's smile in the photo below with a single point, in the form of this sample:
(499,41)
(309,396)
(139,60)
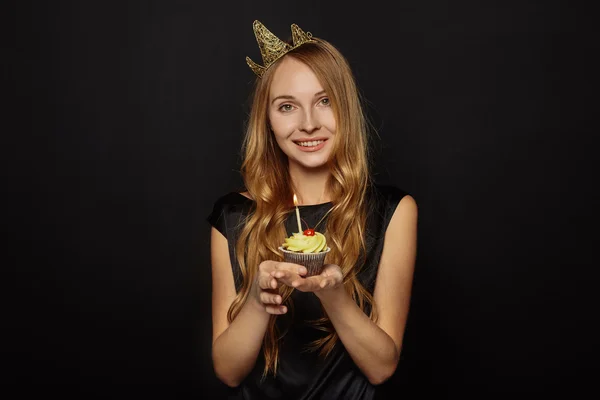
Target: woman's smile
(310,145)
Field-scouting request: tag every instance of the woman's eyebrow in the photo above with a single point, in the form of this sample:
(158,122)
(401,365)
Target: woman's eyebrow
(289,97)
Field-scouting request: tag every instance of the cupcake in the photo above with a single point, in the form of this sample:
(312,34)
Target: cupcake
(308,248)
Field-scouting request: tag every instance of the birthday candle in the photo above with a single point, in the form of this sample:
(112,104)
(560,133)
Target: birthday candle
(297,213)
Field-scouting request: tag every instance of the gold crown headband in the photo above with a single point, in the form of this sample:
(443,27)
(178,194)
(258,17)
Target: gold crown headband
(272,48)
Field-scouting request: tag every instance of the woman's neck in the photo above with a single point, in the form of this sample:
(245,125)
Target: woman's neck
(310,184)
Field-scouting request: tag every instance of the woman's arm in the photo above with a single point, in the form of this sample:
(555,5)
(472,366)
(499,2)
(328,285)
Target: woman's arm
(375,348)
(235,346)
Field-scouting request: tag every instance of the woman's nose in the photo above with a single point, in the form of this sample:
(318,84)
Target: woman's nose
(310,122)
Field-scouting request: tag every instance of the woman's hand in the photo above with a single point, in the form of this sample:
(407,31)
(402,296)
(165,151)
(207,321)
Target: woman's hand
(330,278)
(265,287)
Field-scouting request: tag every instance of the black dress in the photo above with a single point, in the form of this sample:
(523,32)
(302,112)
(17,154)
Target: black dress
(302,374)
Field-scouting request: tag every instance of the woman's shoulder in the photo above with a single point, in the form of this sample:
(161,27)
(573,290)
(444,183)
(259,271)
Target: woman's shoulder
(232,199)
(228,209)
(386,198)
(383,203)
(388,194)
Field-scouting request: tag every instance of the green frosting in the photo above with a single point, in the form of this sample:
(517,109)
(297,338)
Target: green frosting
(305,244)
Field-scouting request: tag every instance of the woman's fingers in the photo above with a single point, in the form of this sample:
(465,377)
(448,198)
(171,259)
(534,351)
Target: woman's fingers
(270,298)
(290,267)
(277,310)
(312,283)
(288,278)
(282,274)
(326,283)
(267,282)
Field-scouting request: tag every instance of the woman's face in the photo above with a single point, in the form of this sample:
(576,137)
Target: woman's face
(300,114)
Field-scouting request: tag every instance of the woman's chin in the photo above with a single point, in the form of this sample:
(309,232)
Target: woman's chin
(310,163)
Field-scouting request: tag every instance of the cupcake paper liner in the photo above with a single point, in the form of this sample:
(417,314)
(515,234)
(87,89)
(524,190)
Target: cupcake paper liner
(312,261)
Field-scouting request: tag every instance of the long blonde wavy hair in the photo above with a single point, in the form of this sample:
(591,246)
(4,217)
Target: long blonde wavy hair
(264,170)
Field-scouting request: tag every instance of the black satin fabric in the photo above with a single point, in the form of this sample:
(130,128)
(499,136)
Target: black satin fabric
(302,374)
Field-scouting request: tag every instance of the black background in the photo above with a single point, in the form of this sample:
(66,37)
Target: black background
(123,125)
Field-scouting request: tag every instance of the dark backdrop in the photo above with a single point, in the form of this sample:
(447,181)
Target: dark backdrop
(124,124)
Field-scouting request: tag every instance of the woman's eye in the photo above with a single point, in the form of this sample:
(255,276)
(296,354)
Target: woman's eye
(325,101)
(285,107)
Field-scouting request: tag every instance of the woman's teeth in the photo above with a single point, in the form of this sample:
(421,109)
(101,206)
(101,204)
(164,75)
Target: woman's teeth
(310,144)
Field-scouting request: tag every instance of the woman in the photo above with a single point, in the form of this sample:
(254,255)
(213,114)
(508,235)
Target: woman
(276,332)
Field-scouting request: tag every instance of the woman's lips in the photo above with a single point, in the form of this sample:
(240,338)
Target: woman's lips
(310,149)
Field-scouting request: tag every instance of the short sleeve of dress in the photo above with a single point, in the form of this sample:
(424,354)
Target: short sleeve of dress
(382,203)
(228,217)
(389,198)
(217,216)
(228,214)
